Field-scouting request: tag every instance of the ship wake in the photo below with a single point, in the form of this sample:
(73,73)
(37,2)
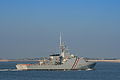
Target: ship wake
(9,70)
(89,69)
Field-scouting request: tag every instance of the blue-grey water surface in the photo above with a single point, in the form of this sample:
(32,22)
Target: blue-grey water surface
(104,71)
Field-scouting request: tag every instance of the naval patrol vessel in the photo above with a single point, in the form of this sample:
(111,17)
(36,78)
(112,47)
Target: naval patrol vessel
(62,61)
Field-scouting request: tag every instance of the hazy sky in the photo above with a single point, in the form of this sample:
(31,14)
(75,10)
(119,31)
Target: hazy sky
(30,28)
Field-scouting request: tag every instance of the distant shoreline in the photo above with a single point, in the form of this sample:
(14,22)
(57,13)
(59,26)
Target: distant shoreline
(117,61)
(5,60)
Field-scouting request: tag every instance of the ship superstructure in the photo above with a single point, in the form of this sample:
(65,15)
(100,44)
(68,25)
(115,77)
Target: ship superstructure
(63,61)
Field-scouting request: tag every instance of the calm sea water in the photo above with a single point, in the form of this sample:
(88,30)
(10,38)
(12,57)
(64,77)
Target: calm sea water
(104,71)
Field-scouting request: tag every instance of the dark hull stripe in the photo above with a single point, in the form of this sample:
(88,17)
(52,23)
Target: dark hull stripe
(74,64)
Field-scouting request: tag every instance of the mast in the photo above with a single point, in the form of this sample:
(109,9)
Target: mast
(60,40)
(61,44)
(62,47)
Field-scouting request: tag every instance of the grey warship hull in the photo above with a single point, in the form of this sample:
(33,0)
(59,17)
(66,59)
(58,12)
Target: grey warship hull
(72,64)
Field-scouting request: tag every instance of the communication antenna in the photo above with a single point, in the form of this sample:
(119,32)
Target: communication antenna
(60,40)
(61,44)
